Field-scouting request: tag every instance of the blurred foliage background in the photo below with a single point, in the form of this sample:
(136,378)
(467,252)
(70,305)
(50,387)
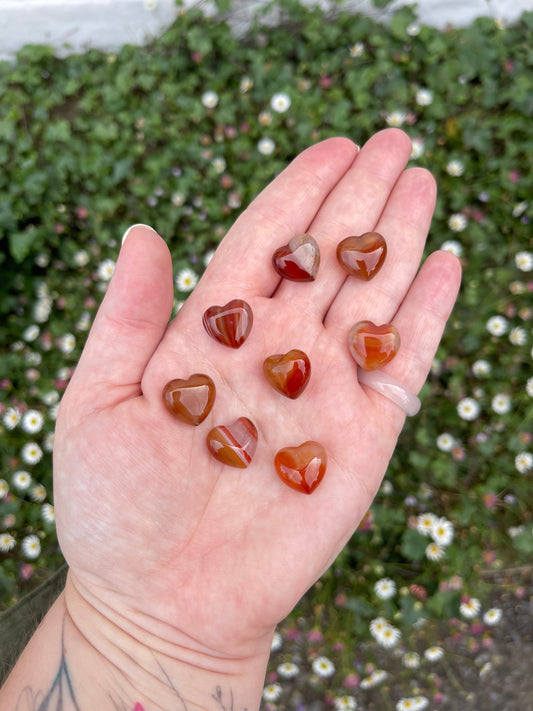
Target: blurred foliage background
(182,134)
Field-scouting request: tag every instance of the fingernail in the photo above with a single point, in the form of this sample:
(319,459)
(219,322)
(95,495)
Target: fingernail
(137,224)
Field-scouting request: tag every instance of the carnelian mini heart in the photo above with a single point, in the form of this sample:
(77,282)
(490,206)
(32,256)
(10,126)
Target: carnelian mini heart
(302,468)
(190,400)
(373,346)
(229,324)
(235,444)
(362,256)
(298,260)
(289,373)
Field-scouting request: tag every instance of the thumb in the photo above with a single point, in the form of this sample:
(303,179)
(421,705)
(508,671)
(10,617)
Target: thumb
(129,324)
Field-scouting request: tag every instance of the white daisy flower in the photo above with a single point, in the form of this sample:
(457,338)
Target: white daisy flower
(425,523)
(357,49)
(280,102)
(417,148)
(385,588)
(445,442)
(457,222)
(497,325)
(468,409)
(42,309)
(524,462)
(266,146)
(84,322)
(514,531)
(481,368)
(4,488)
(219,164)
(208,256)
(345,703)
(470,608)
(31,453)
(32,421)
(186,280)
(375,678)
(518,211)
(323,667)
(209,99)
(492,616)
(424,97)
(377,626)
(38,492)
(106,269)
(451,245)
(48,513)
(411,660)
(412,703)
(7,542)
(277,642)
(524,261)
(67,343)
(11,418)
(442,532)
(395,118)
(501,403)
(265,118)
(21,480)
(81,258)
(31,333)
(272,692)
(455,168)
(529,386)
(435,552)
(388,637)
(288,670)
(177,199)
(433,654)
(31,546)
(518,336)
(246,84)
(413,29)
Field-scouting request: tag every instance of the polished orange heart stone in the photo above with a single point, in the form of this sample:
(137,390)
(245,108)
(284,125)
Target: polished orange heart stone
(298,260)
(190,400)
(289,373)
(362,256)
(302,468)
(373,346)
(235,444)
(229,324)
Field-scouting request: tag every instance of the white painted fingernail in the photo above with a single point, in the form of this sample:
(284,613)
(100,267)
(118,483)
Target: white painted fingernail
(137,224)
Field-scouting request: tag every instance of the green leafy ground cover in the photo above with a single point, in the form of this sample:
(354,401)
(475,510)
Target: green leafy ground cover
(181,135)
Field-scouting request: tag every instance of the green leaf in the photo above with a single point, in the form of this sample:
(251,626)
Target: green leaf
(413,544)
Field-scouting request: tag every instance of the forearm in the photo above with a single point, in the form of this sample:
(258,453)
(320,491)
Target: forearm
(81,660)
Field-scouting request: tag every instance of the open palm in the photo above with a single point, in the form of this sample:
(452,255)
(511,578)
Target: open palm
(148,520)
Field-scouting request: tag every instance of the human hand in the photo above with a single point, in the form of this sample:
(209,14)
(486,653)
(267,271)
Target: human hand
(155,530)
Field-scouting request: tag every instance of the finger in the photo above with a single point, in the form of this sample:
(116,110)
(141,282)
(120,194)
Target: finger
(421,320)
(242,265)
(130,322)
(404,223)
(352,208)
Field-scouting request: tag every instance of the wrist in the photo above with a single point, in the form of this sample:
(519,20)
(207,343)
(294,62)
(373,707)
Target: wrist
(157,667)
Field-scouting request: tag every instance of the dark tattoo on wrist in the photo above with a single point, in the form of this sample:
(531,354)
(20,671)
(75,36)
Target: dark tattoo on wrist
(61,697)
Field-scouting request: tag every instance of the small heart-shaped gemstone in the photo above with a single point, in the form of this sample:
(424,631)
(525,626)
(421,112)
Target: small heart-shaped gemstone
(229,324)
(302,468)
(289,373)
(298,260)
(235,444)
(362,256)
(190,400)
(373,346)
